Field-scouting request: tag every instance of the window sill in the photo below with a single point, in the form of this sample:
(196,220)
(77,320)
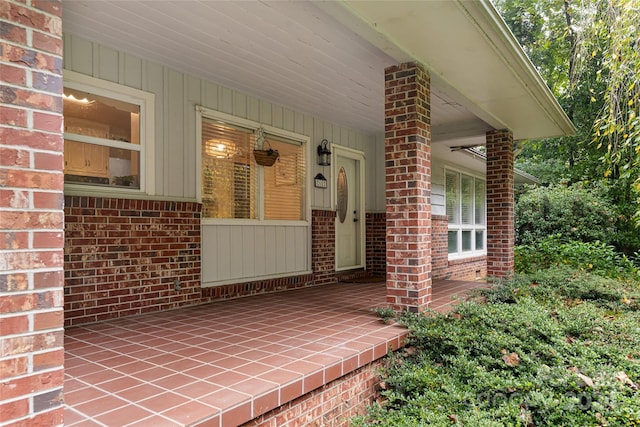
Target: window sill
(117,193)
(255,222)
(465,258)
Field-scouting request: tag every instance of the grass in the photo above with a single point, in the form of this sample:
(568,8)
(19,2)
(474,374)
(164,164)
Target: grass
(554,348)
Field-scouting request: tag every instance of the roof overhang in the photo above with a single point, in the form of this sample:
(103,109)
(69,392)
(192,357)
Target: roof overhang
(327,58)
(471,54)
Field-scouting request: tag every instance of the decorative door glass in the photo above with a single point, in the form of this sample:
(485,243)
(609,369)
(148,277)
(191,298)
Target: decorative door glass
(343,193)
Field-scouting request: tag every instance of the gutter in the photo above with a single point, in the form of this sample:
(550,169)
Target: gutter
(482,156)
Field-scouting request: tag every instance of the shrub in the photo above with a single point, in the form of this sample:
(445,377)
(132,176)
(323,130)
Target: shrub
(553,348)
(575,213)
(588,256)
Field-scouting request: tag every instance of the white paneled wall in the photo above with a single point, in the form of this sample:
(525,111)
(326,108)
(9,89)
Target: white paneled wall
(240,252)
(177,95)
(230,253)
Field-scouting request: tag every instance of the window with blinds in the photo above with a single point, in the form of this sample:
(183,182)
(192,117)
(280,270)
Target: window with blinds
(465,206)
(284,182)
(234,186)
(229,173)
(452,197)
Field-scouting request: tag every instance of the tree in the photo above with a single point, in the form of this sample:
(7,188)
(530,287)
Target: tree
(614,35)
(589,54)
(550,35)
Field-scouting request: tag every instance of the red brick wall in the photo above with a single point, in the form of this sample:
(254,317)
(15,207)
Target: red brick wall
(323,246)
(408,186)
(500,203)
(376,243)
(461,269)
(31,218)
(122,257)
(333,404)
(237,290)
(471,268)
(440,251)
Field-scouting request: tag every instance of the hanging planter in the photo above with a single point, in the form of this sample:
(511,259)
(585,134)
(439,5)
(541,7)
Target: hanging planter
(263,153)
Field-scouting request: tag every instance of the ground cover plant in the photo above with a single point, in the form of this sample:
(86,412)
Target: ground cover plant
(556,250)
(553,348)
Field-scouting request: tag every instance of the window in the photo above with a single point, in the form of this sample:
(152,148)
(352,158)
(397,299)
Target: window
(234,186)
(465,205)
(106,134)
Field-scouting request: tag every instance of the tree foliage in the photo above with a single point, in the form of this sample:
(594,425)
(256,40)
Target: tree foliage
(614,35)
(588,51)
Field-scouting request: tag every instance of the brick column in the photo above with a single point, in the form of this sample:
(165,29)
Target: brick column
(323,246)
(500,224)
(31,217)
(408,186)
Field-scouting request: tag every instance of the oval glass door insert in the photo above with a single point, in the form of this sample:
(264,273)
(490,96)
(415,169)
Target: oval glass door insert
(343,194)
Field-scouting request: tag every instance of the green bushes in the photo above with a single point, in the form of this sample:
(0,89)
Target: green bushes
(587,256)
(576,213)
(553,348)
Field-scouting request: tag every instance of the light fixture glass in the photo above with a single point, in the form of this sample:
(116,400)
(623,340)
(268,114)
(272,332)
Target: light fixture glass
(324,154)
(220,149)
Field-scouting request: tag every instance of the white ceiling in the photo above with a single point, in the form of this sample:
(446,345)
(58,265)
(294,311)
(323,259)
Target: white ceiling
(327,58)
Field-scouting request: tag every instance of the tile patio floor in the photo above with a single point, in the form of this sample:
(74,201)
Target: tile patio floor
(225,363)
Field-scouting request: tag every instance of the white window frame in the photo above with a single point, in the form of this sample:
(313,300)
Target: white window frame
(250,124)
(146,102)
(459,227)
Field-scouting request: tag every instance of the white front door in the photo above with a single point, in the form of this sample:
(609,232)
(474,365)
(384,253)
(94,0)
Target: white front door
(350,216)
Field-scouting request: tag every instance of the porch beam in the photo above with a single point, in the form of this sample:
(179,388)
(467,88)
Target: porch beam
(408,186)
(500,203)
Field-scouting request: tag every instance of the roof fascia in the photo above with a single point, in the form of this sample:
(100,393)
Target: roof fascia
(488,20)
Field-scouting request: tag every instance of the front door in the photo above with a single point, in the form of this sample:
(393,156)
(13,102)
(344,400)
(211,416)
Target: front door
(349,182)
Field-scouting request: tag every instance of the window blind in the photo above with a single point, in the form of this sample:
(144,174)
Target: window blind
(284,182)
(229,177)
(452,195)
(466,203)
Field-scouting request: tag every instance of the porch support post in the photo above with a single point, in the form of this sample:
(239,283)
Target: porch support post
(500,203)
(31,216)
(408,186)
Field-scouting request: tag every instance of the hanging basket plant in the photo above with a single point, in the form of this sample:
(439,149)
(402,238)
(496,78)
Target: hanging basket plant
(263,153)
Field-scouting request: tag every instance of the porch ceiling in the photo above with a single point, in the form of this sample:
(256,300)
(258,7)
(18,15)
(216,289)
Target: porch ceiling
(328,58)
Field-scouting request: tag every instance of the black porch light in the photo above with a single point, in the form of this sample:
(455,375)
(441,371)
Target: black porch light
(324,154)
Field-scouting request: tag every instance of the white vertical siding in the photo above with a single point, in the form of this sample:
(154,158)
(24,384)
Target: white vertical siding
(177,94)
(229,252)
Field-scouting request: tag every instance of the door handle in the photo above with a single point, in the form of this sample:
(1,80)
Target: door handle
(355,219)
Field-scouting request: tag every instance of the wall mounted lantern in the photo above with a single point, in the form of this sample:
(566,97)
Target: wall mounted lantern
(324,154)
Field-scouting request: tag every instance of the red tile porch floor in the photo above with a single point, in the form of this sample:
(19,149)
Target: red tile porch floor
(225,363)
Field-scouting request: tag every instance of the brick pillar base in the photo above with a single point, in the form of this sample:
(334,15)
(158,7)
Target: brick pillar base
(500,223)
(408,186)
